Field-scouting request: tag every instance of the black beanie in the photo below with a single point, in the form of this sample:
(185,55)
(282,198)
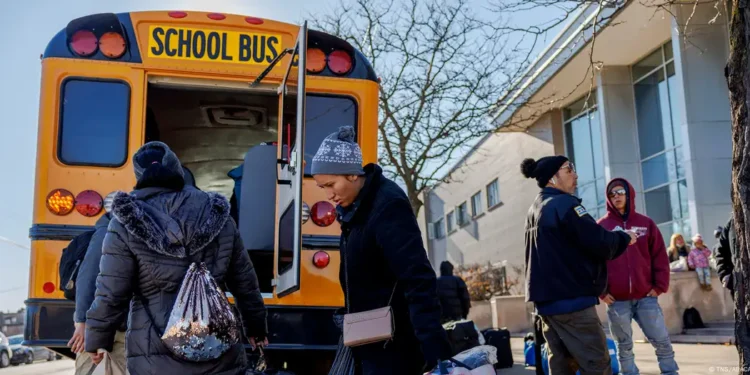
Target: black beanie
(543,169)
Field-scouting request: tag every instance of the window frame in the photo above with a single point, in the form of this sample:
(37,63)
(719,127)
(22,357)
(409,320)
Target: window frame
(477,210)
(589,108)
(663,66)
(61,125)
(499,202)
(450,222)
(439,229)
(356,116)
(459,222)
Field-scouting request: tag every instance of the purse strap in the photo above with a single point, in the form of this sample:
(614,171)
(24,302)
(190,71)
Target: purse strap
(346,277)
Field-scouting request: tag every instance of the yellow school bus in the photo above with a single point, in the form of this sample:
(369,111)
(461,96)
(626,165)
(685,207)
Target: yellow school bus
(225,93)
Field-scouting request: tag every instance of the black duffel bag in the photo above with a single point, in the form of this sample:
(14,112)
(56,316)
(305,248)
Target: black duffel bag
(462,335)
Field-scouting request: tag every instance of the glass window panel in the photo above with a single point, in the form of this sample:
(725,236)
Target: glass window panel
(667,231)
(461,214)
(596,144)
(476,204)
(94,123)
(493,194)
(439,229)
(601,194)
(649,115)
(449,221)
(580,139)
(682,189)
(655,171)
(674,89)
(680,162)
(658,206)
(579,106)
(587,193)
(668,52)
(648,64)
(666,118)
(674,200)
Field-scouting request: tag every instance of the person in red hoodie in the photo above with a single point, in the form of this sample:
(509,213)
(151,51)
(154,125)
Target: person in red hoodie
(635,280)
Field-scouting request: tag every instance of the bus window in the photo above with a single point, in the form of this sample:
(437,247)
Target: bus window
(94,123)
(323,116)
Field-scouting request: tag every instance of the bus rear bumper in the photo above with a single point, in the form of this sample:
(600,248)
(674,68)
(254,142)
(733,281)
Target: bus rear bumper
(49,323)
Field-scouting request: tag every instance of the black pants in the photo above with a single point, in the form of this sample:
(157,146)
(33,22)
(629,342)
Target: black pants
(576,341)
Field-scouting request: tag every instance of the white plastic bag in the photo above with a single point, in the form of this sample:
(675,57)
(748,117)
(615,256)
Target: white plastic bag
(679,265)
(479,361)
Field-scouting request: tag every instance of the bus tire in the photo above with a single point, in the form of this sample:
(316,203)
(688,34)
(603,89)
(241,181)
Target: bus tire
(4,360)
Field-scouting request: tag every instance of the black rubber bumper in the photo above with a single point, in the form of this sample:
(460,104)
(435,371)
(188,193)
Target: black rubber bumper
(49,323)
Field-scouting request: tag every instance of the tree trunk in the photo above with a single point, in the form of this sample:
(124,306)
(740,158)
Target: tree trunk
(416,203)
(738,80)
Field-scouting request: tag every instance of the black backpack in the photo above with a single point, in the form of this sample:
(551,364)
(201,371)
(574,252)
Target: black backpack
(70,263)
(691,319)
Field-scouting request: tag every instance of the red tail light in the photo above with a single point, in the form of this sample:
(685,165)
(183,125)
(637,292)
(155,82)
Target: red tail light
(89,203)
(48,287)
(321,259)
(60,202)
(178,14)
(216,16)
(339,62)
(254,20)
(323,214)
(112,45)
(84,43)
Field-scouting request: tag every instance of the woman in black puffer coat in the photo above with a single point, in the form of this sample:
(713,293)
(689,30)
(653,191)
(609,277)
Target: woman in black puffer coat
(157,231)
(383,260)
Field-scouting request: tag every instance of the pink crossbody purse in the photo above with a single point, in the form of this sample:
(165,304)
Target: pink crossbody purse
(370,326)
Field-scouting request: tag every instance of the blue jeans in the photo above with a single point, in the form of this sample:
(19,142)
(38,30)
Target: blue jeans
(648,314)
(704,275)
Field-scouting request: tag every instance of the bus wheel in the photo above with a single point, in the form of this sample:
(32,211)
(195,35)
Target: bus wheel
(4,360)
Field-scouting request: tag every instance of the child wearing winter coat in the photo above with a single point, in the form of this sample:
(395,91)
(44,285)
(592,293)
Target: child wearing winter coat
(698,259)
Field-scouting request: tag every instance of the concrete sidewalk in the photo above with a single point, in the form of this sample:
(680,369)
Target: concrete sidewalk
(692,359)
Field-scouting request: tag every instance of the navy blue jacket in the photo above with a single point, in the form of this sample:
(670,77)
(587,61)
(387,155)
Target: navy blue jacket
(566,250)
(86,279)
(382,244)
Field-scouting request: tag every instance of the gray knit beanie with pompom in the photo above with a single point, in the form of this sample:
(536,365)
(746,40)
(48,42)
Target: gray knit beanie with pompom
(339,154)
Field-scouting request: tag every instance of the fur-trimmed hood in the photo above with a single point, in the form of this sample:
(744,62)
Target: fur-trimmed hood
(172,223)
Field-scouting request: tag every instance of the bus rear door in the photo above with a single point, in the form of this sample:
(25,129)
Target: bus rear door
(290,172)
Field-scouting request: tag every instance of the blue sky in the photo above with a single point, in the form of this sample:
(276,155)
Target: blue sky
(26,27)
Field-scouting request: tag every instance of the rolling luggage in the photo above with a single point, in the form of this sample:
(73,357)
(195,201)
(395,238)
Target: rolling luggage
(500,339)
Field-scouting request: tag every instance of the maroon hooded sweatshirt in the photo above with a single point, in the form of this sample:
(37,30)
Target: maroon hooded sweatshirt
(645,264)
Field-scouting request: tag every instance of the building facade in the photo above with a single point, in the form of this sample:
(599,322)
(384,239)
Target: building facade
(644,99)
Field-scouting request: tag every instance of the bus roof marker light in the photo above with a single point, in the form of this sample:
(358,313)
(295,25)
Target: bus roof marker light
(316,60)
(254,20)
(177,14)
(339,62)
(60,202)
(216,16)
(84,43)
(112,45)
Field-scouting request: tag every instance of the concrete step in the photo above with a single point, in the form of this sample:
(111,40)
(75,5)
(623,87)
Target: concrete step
(703,339)
(710,332)
(728,324)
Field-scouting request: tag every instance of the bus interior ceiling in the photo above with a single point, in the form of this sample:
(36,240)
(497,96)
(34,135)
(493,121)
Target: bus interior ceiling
(212,131)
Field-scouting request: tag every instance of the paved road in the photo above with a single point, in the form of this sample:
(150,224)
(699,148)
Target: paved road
(60,367)
(692,359)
